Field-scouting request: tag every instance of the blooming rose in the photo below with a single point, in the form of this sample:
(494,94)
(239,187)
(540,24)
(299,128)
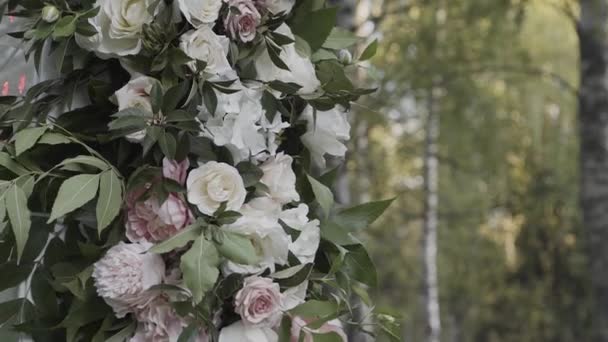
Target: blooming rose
(280,178)
(204,45)
(136,94)
(327,136)
(259,302)
(176,170)
(279,6)
(301,70)
(213,183)
(200,12)
(243,22)
(124,274)
(260,224)
(119,25)
(241,332)
(158,322)
(151,222)
(306,245)
(298,326)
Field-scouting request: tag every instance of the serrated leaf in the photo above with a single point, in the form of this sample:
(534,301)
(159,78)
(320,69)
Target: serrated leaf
(73,194)
(323,195)
(19,215)
(25,139)
(238,248)
(110,199)
(361,216)
(199,267)
(178,240)
(369,51)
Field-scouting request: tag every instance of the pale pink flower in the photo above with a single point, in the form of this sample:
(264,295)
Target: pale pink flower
(124,274)
(178,171)
(151,222)
(243,22)
(298,325)
(158,322)
(259,302)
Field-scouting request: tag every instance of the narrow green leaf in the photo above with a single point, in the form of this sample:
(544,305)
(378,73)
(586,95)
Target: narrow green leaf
(124,334)
(19,215)
(178,240)
(11,165)
(199,266)
(340,38)
(361,216)
(209,98)
(369,51)
(323,195)
(25,139)
(87,160)
(73,194)
(110,199)
(13,274)
(359,266)
(51,138)
(238,248)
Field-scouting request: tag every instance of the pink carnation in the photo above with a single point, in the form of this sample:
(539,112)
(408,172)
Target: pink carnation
(178,171)
(243,22)
(259,302)
(298,324)
(151,222)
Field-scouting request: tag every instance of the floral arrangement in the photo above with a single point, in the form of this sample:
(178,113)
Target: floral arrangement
(170,184)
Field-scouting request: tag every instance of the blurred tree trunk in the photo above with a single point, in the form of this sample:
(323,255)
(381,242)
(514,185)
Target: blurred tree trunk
(430,223)
(593,125)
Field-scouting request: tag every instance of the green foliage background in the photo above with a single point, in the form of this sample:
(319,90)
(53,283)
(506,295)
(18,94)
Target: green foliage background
(504,75)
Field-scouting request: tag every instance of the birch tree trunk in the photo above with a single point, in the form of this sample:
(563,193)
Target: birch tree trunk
(430,223)
(593,125)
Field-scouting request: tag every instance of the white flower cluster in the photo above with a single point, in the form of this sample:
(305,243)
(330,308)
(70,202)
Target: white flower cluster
(125,275)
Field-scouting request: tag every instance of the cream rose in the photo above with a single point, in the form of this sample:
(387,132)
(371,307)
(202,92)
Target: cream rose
(212,184)
(136,94)
(119,25)
(259,302)
(280,178)
(200,12)
(204,45)
(241,332)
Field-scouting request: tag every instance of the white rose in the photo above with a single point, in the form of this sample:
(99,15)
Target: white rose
(301,70)
(119,25)
(200,12)
(136,94)
(260,224)
(332,129)
(306,245)
(204,45)
(242,333)
(213,183)
(280,178)
(278,6)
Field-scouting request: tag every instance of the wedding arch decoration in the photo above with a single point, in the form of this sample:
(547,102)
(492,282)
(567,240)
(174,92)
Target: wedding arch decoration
(170,183)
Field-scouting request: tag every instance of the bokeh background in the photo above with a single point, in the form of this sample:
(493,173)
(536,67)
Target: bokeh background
(484,93)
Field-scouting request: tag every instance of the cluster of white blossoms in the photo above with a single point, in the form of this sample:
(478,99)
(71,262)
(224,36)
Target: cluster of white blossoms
(128,275)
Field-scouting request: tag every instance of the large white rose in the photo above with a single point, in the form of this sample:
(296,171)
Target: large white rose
(204,45)
(327,137)
(213,183)
(200,12)
(242,333)
(119,24)
(136,94)
(260,223)
(306,245)
(280,178)
(301,69)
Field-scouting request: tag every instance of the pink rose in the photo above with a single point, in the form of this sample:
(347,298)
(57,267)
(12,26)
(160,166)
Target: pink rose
(244,22)
(176,170)
(151,222)
(259,302)
(298,324)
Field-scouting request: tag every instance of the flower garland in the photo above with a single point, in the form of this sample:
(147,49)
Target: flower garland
(171,184)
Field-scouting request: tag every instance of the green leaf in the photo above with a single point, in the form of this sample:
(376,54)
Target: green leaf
(361,216)
(324,22)
(250,173)
(178,240)
(73,194)
(359,266)
(340,38)
(10,309)
(323,195)
(19,215)
(209,98)
(51,138)
(315,308)
(25,139)
(124,334)
(167,144)
(328,337)
(87,160)
(8,162)
(189,333)
(65,27)
(13,274)
(337,234)
(199,266)
(238,248)
(370,51)
(110,199)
